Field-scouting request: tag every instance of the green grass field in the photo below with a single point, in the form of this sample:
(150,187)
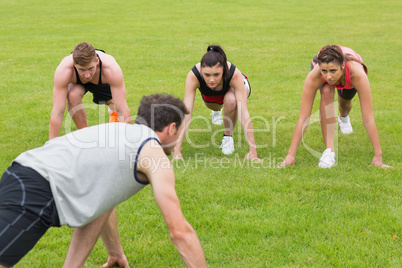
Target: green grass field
(245,214)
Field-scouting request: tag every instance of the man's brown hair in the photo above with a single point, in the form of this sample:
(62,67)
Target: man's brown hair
(83,53)
(159,110)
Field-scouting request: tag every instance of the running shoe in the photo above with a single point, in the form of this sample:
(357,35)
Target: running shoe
(327,159)
(227,145)
(113,117)
(217,117)
(344,125)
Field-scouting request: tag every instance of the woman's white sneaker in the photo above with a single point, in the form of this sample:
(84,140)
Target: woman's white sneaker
(227,145)
(327,159)
(344,125)
(217,117)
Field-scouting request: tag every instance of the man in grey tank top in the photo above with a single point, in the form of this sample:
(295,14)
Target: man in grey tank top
(78,179)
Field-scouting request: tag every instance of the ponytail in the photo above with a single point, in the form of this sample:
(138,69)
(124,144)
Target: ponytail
(215,55)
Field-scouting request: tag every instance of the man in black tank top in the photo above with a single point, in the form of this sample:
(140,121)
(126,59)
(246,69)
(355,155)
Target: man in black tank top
(101,92)
(87,69)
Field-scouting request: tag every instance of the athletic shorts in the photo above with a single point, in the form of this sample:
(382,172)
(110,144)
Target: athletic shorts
(101,93)
(219,99)
(27,210)
(346,94)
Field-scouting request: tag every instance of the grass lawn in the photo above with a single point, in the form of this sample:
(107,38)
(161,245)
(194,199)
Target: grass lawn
(245,214)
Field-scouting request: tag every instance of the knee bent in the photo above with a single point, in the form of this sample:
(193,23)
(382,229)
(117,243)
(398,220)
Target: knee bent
(230,100)
(327,93)
(75,94)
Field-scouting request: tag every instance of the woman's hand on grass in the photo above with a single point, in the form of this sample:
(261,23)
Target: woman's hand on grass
(177,156)
(253,157)
(377,161)
(289,160)
(117,261)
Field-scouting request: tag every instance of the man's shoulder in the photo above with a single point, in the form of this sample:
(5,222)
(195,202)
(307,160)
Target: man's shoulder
(66,63)
(65,69)
(67,60)
(111,70)
(146,132)
(107,59)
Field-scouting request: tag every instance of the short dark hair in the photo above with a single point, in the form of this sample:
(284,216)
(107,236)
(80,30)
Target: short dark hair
(83,53)
(159,110)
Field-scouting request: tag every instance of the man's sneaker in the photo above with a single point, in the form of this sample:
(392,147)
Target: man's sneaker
(344,125)
(227,145)
(327,159)
(113,117)
(217,117)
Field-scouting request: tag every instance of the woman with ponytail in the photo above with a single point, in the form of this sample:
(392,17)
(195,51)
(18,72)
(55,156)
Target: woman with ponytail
(221,85)
(341,68)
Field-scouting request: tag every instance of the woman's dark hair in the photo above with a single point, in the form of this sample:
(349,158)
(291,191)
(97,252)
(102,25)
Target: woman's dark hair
(159,110)
(215,55)
(333,53)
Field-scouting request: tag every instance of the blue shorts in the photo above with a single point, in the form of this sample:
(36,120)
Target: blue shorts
(101,93)
(346,94)
(27,210)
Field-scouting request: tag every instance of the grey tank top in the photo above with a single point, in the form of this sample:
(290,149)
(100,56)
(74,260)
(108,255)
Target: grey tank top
(90,170)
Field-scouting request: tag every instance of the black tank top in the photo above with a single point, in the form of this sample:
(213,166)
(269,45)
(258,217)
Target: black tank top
(205,90)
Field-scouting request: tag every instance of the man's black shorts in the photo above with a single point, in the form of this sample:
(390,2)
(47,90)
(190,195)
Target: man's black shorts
(101,93)
(27,210)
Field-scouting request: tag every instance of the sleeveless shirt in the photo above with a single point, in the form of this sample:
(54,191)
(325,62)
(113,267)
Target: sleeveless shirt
(89,83)
(351,52)
(205,90)
(90,170)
